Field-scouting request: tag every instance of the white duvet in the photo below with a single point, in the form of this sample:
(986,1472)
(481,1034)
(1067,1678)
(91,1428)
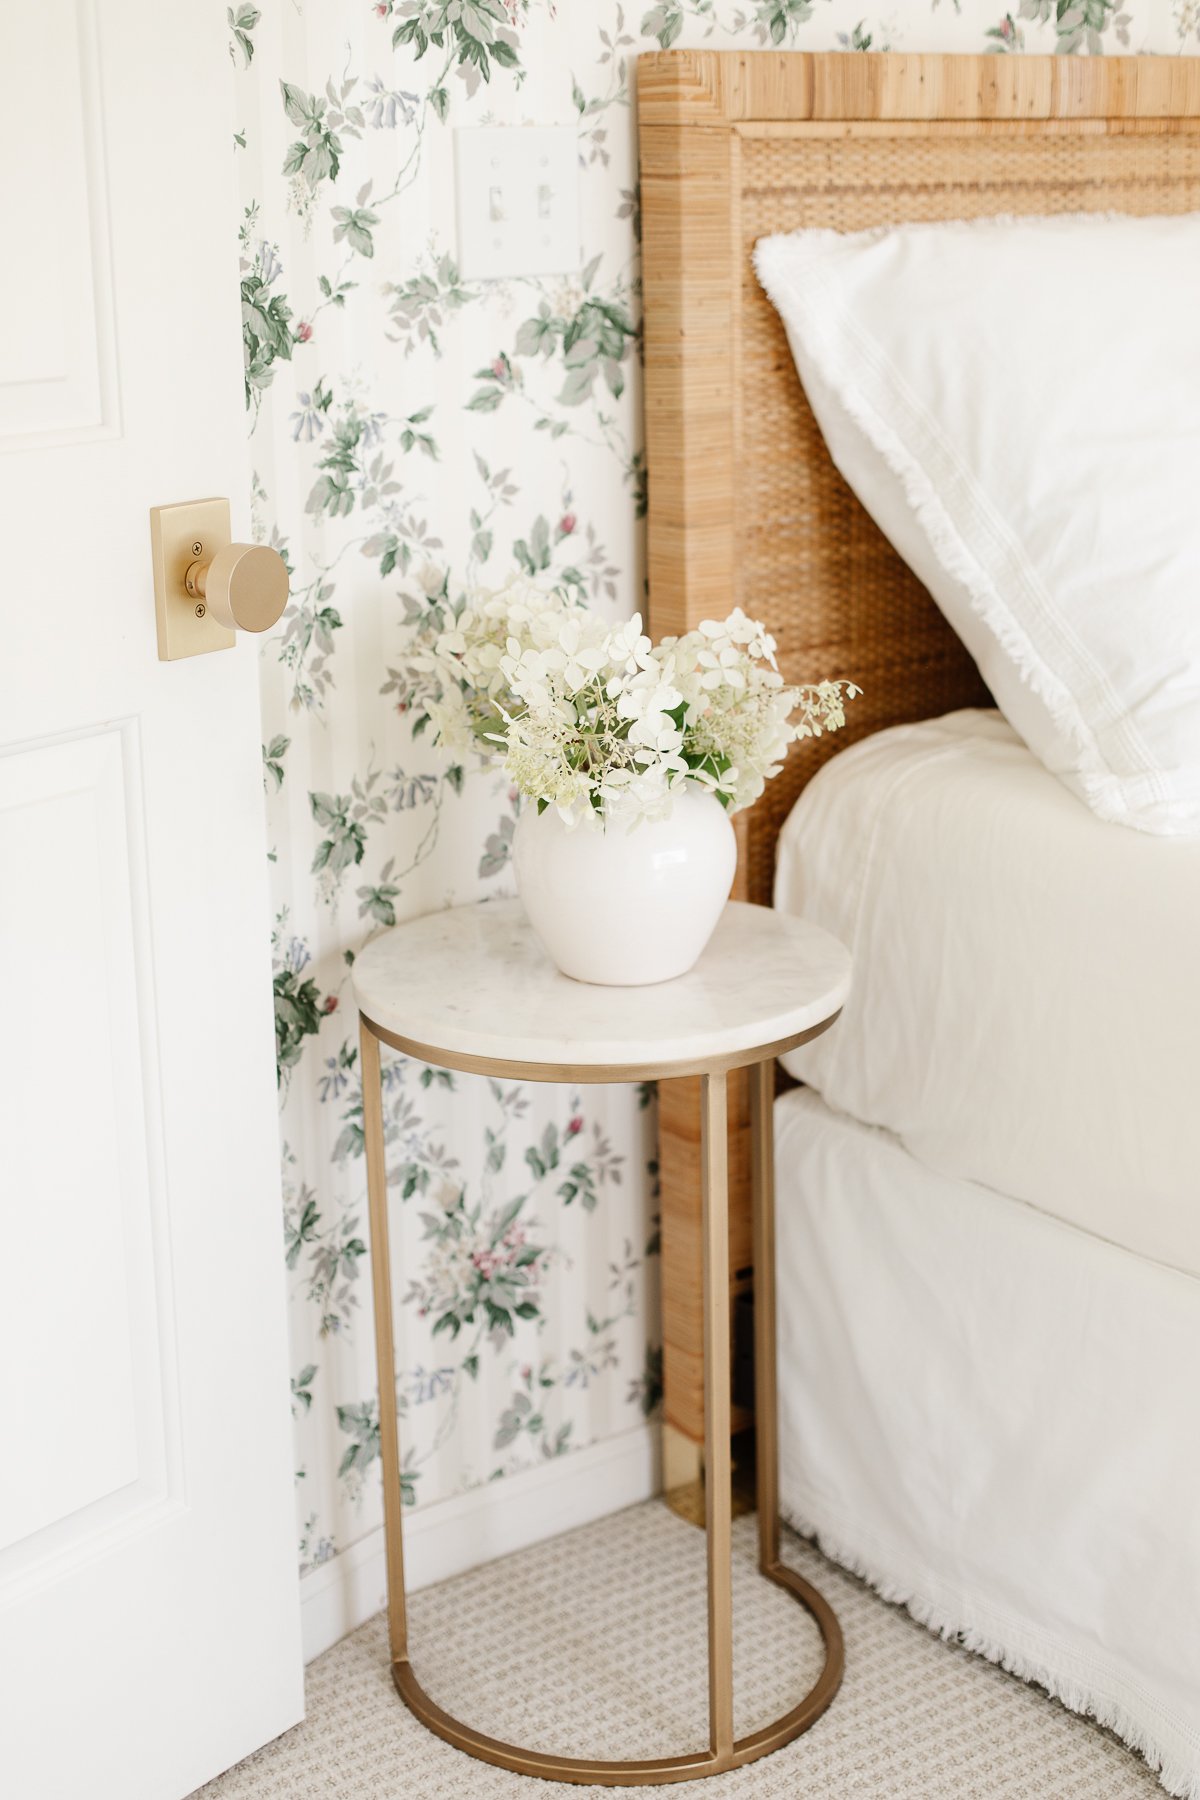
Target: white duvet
(992,1416)
(1026,1007)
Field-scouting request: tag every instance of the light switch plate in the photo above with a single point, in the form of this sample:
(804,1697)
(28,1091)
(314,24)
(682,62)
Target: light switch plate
(192,531)
(518,200)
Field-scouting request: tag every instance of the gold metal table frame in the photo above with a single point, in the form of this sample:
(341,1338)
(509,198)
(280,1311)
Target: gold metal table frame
(724,1750)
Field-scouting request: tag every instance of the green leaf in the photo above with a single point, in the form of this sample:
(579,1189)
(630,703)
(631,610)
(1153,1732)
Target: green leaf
(581,1186)
(241,23)
(273,754)
(297,1017)
(578,385)
(355,227)
(663,22)
(538,335)
(507,1215)
(298,105)
(377,903)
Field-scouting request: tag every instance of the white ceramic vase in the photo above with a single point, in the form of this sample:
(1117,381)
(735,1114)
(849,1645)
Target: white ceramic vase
(625,906)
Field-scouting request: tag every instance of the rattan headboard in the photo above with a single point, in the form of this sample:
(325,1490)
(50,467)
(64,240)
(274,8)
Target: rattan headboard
(745,505)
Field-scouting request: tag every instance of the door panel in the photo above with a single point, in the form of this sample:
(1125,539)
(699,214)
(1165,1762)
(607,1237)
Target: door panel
(92,1440)
(149,1612)
(57,345)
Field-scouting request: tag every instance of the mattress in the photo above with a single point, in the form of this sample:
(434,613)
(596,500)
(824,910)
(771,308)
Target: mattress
(990,1415)
(1026,1002)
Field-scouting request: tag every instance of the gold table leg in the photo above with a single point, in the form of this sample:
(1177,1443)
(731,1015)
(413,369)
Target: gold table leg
(718,1471)
(385,1348)
(724,1752)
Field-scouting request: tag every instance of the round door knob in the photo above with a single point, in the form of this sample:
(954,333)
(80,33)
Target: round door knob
(245,586)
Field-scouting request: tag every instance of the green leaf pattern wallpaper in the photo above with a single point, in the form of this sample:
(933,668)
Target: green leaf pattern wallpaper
(412,434)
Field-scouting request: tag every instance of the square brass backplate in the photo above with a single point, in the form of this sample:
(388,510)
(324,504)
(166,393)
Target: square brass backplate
(191,532)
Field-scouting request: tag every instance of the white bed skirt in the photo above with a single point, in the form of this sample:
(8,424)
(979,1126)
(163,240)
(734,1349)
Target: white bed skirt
(995,1418)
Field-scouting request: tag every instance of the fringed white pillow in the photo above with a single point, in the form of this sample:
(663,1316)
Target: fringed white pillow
(1017,404)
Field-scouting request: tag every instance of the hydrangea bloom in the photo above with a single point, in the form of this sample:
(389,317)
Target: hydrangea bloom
(597,721)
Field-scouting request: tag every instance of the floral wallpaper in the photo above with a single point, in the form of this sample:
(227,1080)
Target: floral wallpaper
(413,434)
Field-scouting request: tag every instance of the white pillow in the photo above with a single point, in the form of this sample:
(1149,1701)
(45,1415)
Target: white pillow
(1017,404)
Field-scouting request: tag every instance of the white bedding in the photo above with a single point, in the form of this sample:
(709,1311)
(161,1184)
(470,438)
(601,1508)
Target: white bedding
(1026,1007)
(1040,483)
(992,1416)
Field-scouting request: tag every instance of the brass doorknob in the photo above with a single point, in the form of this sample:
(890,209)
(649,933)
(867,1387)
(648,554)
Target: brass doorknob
(244,586)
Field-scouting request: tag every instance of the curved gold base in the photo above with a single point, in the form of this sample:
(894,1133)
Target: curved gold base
(655,1770)
(724,1751)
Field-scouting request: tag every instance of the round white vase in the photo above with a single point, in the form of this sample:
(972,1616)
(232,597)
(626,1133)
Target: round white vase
(626,906)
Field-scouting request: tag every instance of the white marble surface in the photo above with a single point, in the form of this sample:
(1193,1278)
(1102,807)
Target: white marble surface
(474,980)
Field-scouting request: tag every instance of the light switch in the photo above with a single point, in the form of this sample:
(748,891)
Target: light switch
(518,200)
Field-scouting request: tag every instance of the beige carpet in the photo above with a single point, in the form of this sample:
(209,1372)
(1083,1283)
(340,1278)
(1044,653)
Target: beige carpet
(594,1643)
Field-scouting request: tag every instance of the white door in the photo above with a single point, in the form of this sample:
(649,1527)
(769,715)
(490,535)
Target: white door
(149,1619)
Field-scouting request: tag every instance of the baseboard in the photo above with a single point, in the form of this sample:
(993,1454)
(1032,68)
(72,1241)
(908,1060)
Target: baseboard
(457,1534)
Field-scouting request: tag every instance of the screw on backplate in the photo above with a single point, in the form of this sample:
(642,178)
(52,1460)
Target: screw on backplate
(200,610)
(197,547)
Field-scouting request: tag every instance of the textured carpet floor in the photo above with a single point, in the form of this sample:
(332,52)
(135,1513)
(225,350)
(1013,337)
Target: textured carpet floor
(593,1643)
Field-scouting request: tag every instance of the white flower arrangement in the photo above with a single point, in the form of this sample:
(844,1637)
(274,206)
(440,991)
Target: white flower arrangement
(597,721)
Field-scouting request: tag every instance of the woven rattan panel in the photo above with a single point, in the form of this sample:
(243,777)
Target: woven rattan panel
(810,561)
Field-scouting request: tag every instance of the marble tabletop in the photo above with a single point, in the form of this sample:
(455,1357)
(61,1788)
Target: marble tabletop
(475,981)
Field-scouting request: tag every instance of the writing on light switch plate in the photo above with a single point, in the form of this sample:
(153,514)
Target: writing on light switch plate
(517,200)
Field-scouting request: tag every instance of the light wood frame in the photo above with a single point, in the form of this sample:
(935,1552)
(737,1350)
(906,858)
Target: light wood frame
(745,506)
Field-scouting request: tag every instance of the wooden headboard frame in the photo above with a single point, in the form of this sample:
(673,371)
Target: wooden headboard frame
(745,506)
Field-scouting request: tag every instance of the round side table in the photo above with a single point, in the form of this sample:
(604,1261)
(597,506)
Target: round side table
(472,989)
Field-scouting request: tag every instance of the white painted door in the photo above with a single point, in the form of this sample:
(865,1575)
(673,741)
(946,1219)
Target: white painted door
(149,1618)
